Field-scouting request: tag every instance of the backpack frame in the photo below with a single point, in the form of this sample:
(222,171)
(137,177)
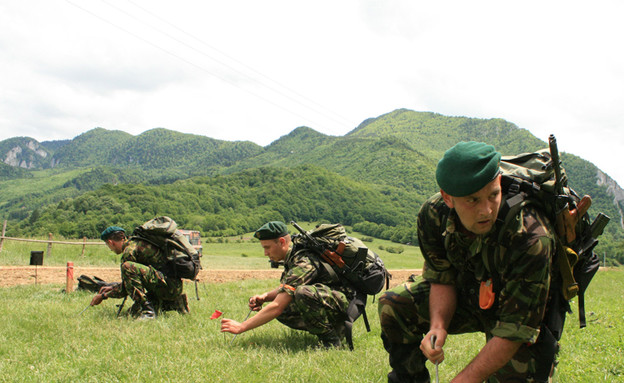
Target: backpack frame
(348,261)
(538,179)
(182,259)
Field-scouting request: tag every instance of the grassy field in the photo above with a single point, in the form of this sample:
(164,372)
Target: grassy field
(222,253)
(44,339)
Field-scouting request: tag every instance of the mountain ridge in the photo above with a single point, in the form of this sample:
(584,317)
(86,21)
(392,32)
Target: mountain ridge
(395,153)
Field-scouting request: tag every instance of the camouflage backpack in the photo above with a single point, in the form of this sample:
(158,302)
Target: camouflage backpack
(348,261)
(183,259)
(92,284)
(538,179)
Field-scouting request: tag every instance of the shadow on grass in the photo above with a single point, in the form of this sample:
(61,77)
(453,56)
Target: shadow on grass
(292,341)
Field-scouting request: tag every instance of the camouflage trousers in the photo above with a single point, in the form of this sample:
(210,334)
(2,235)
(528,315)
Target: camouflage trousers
(315,308)
(404,317)
(141,283)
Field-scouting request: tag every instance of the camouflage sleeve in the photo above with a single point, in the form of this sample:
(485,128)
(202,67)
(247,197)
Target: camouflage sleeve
(129,252)
(143,253)
(117,291)
(139,252)
(430,224)
(526,279)
(302,272)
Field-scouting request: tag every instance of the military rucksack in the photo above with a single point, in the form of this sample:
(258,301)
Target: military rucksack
(349,261)
(182,259)
(538,179)
(93,284)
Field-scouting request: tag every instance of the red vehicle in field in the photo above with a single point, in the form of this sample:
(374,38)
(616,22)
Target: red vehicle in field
(194,238)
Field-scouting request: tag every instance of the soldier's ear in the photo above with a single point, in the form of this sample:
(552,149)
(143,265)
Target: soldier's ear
(282,241)
(448,200)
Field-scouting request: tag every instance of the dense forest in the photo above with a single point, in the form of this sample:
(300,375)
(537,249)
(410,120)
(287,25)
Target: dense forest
(374,178)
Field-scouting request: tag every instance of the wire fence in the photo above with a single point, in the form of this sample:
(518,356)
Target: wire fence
(50,241)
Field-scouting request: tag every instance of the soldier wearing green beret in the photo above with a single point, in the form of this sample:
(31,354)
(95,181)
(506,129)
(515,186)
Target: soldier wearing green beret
(150,289)
(308,298)
(460,291)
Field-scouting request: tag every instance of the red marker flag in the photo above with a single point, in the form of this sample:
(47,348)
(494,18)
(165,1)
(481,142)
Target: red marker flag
(216,314)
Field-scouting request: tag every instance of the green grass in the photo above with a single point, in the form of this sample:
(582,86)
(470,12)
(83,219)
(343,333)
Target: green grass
(232,253)
(43,339)
(42,182)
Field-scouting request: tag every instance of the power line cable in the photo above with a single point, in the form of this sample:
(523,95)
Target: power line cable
(245,66)
(189,62)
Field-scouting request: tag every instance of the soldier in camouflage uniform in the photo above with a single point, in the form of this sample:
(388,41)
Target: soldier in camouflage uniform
(475,279)
(308,298)
(149,288)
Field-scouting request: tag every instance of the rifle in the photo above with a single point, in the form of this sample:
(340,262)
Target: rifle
(575,277)
(332,257)
(567,214)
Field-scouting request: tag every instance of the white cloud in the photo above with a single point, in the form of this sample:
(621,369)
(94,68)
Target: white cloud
(248,70)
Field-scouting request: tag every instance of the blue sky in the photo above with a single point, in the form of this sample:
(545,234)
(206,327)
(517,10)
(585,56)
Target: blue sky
(250,70)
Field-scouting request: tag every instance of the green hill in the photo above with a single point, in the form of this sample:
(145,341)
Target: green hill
(374,178)
(25,153)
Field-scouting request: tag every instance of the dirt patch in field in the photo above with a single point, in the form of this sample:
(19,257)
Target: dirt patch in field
(25,275)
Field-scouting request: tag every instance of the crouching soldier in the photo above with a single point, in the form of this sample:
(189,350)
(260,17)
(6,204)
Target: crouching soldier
(461,291)
(142,277)
(308,298)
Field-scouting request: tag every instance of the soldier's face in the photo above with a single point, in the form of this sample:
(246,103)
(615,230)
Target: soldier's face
(275,249)
(115,246)
(478,211)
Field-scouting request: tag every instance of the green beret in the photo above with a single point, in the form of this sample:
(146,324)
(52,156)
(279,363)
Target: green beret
(467,167)
(109,231)
(271,230)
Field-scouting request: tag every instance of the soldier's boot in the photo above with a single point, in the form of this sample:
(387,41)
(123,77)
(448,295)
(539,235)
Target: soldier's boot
(407,362)
(330,340)
(335,337)
(147,311)
(179,304)
(394,377)
(182,304)
(135,310)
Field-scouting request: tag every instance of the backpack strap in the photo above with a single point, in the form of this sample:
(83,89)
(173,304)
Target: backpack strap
(514,201)
(567,258)
(357,305)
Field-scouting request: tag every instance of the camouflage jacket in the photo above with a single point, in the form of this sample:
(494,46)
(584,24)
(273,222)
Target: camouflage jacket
(302,267)
(521,257)
(138,251)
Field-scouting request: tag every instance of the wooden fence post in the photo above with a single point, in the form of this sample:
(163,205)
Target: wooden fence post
(84,241)
(69,278)
(49,244)
(2,238)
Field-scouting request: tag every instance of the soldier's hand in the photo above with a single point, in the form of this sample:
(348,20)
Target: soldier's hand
(232,326)
(101,295)
(105,289)
(256,302)
(435,355)
(97,299)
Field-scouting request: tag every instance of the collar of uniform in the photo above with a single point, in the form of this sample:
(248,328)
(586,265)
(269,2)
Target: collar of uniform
(289,254)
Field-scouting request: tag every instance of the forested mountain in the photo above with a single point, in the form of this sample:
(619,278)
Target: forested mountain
(230,204)
(8,172)
(25,153)
(154,149)
(434,133)
(374,178)
(382,160)
(92,148)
